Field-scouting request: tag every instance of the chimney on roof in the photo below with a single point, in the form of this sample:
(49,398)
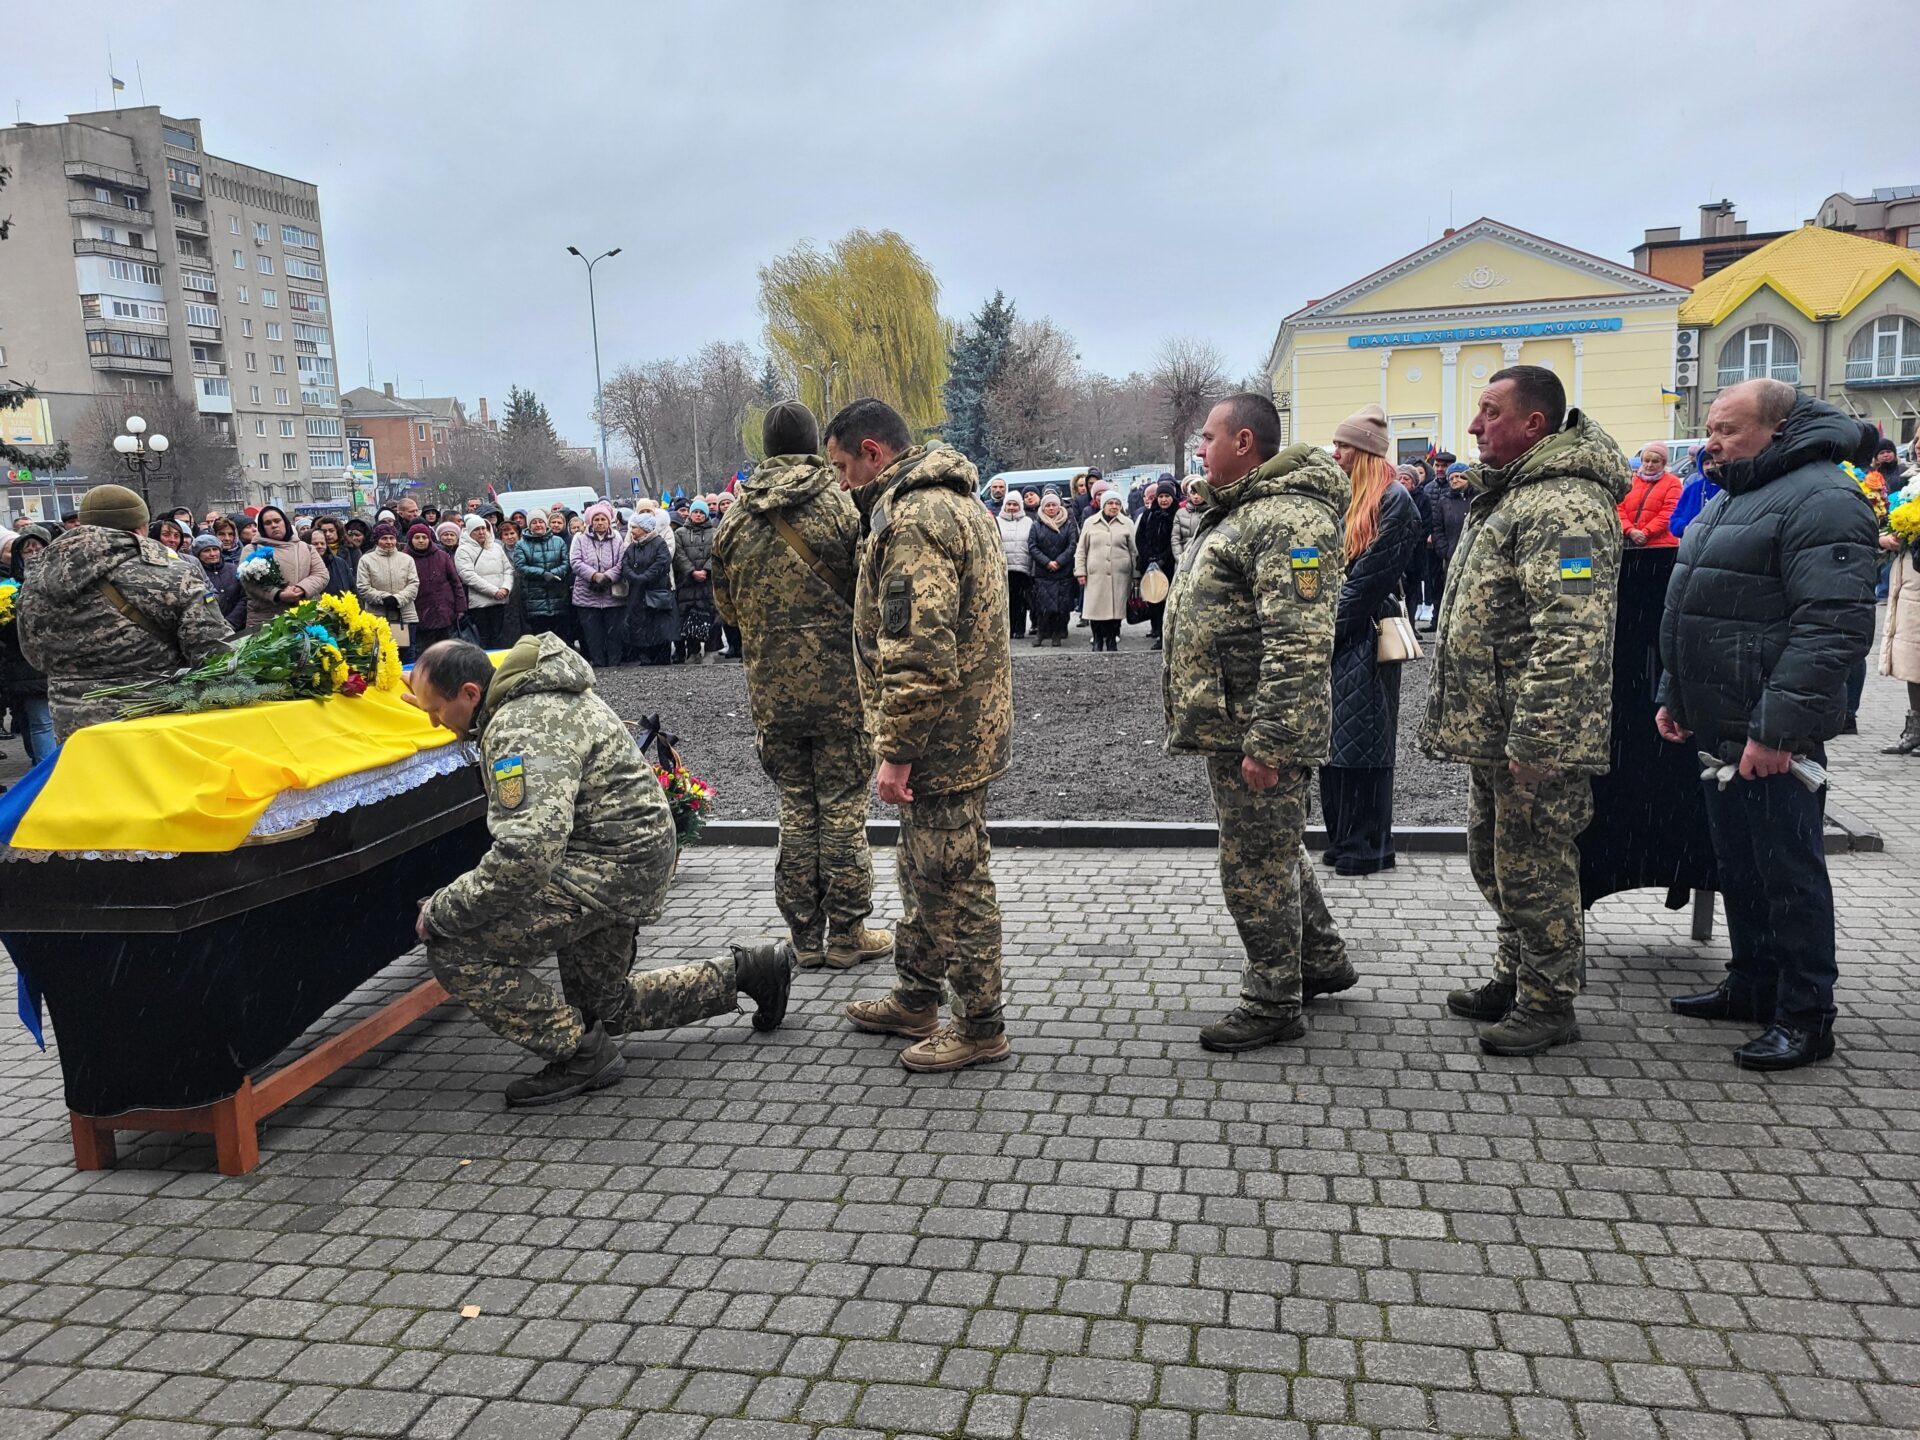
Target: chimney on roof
(388,387)
(483,412)
(1716,219)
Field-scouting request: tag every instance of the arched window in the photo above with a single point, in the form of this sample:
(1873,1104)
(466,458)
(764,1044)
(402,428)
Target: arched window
(1760,352)
(1885,349)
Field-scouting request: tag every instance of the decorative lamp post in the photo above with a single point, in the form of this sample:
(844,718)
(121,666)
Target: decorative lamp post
(142,454)
(598,391)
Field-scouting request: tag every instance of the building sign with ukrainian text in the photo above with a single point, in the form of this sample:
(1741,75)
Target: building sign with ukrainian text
(1531,330)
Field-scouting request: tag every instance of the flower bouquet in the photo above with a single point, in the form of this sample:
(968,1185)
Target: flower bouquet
(688,797)
(318,649)
(9,596)
(261,568)
(1904,521)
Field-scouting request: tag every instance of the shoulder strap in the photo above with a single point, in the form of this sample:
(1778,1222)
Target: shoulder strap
(797,543)
(113,595)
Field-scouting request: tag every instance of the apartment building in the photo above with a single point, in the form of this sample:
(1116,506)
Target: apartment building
(140,263)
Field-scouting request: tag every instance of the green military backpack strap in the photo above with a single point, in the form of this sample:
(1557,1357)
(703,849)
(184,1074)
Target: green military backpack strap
(132,613)
(796,542)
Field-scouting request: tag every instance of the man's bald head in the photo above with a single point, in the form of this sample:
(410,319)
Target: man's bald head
(1770,400)
(1743,417)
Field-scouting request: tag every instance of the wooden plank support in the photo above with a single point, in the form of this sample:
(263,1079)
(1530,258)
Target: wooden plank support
(235,1121)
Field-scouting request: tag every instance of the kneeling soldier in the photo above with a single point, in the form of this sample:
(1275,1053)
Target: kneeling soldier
(582,851)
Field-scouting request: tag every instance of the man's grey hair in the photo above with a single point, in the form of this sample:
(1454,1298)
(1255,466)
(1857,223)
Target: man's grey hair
(1772,399)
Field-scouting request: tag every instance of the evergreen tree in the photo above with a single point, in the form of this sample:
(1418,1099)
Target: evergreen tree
(979,355)
(529,447)
(15,397)
(771,391)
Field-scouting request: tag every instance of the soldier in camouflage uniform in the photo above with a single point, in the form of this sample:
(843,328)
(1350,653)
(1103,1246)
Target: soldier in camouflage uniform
(790,593)
(1249,654)
(582,852)
(1522,691)
(930,639)
(104,605)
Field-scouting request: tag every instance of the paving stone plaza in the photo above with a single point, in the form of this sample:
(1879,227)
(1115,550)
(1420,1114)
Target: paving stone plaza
(1377,1231)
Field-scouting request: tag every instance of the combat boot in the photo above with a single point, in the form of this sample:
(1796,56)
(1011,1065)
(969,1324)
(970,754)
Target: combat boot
(808,954)
(890,1017)
(764,973)
(1488,1002)
(597,1064)
(861,943)
(1244,1029)
(1909,740)
(1329,982)
(948,1049)
(1527,1031)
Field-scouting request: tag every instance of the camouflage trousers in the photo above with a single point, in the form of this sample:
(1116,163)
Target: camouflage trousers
(1272,892)
(948,940)
(823,878)
(494,975)
(1520,846)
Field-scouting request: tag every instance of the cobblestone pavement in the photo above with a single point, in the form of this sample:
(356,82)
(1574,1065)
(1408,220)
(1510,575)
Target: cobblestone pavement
(1375,1232)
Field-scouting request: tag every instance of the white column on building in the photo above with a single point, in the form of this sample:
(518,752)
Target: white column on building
(1293,412)
(1579,354)
(1449,396)
(1386,357)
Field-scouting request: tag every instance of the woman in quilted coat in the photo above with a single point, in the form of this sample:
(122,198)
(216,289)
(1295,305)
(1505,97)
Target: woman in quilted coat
(1383,529)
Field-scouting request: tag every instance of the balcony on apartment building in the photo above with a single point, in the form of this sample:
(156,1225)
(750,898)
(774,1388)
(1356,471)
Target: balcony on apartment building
(132,365)
(187,225)
(213,395)
(143,253)
(191,261)
(107,175)
(210,367)
(92,209)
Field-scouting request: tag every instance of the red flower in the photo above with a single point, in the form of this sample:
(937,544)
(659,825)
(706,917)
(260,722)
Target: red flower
(354,685)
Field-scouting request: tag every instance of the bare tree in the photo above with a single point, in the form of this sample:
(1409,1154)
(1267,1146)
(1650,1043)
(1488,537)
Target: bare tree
(660,407)
(468,466)
(1027,405)
(202,467)
(1189,374)
(1114,423)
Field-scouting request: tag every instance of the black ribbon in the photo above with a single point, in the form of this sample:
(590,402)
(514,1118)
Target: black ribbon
(666,747)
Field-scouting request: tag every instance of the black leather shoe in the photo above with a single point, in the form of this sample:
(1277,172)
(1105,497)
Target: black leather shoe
(1722,1002)
(1785,1047)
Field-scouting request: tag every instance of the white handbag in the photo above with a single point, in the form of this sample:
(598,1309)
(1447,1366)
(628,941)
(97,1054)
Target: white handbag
(1394,642)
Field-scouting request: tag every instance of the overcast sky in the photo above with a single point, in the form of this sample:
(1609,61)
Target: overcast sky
(1131,169)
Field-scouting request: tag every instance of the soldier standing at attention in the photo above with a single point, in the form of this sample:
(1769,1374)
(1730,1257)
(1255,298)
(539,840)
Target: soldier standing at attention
(582,850)
(783,573)
(1522,691)
(108,606)
(1248,684)
(936,676)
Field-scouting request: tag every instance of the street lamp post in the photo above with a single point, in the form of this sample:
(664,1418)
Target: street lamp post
(599,395)
(825,377)
(143,454)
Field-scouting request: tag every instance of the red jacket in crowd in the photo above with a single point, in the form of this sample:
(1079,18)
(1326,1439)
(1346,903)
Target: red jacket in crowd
(1649,505)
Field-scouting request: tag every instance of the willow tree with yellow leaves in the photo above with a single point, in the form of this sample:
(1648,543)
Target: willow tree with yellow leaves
(862,319)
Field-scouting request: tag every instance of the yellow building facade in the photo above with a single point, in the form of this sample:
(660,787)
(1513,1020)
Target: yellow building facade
(1422,337)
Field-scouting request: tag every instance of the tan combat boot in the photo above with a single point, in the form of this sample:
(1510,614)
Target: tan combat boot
(890,1017)
(948,1049)
(861,943)
(808,955)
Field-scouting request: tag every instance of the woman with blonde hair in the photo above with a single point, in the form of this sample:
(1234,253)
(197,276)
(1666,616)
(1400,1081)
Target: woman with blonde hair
(1383,530)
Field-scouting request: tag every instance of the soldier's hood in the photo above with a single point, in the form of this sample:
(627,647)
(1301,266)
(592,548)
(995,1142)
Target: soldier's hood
(927,467)
(1580,450)
(539,664)
(782,481)
(1297,470)
(87,554)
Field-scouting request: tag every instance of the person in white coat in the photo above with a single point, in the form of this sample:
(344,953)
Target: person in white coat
(1104,564)
(1015,526)
(487,571)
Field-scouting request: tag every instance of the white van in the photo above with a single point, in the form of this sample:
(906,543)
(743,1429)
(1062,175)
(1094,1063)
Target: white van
(573,497)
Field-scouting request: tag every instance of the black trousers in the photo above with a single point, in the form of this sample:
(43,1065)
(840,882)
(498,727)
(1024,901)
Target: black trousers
(1018,586)
(1156,616)
(489,622)
(1769,842)
(1436,585)
(1106,634)
(603,629)
(1357,805)
(1051,623)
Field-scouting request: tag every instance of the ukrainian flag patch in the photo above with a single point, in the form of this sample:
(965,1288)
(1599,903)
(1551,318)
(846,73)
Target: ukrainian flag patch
(1576,564)
(1304,557)
(509,782)
(1305,563)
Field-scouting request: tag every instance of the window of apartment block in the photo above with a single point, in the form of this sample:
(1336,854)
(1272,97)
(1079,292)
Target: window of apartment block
(131,270)
(270,299)
(103,195)
(421,431)
(252,362)
(273,329)
(294,235)
(323,426)
(289,459)
(178,138)
(259,426)
(205,316)
(245,296)
(266,264)
(266,460)
(261,232)
(233,224)
(253,394)
(246,328)
(279,364)
(239,260)
(280,397)
(286,429)
(305,269)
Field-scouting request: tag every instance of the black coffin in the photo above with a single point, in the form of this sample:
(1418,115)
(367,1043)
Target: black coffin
(169,981)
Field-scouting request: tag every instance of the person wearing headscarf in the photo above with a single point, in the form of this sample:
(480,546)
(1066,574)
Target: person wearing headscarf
(1104,564)
(1153,543)
(647,567)
(356,540)
(487,572)
(1015,526)
(1383,527)
(447,532)
(1186,523)
(546,576)
(594,555)
(303,576)
(693,583)
(388,583)
(1051,540)
(441,599)
(1080,503)
(223,580)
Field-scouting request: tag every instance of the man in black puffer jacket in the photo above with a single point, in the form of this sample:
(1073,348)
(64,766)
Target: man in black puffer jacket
(1770,604)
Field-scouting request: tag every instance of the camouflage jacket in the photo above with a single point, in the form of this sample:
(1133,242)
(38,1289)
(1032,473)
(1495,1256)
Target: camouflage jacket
(571,802)
(796,629)
(72,632)
(1249,624)
(1524,665)
(930,624)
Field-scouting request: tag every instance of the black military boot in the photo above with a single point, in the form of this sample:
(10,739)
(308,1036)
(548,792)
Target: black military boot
(1488,1002)
(597,1064)
(1245,1029)
(763,973)
(1909,740)
(1787,1046)
(1527,1031)
(1726,1001)
(1329,982)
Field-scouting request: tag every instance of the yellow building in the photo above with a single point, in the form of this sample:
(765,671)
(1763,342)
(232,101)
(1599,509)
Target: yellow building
(1424,335)
(1836,314)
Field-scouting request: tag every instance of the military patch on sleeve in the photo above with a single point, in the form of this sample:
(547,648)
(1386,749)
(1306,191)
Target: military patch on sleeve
(1304,561)
(1576,565)
(510,782)
(897,605)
